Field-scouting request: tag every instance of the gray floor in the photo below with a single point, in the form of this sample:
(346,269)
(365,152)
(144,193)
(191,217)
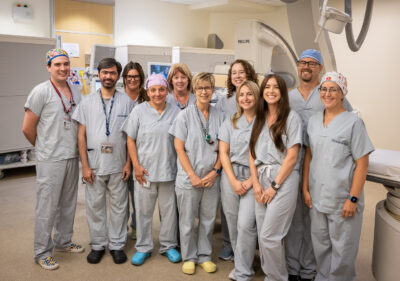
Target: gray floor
(17,203)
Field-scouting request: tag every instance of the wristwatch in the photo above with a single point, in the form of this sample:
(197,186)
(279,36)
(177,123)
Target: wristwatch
(274,185)
(217,170)
(352,198)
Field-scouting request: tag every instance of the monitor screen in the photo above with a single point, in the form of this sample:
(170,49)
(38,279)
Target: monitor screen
(100,52)
(98,84)
(158,67)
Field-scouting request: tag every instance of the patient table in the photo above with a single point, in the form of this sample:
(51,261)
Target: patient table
(384,168)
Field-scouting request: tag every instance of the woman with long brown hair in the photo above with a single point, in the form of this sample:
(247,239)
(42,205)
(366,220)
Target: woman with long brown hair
(274,166)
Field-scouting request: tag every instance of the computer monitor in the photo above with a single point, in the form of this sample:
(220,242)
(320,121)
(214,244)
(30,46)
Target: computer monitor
(100,52)
(158,67)
(98,84)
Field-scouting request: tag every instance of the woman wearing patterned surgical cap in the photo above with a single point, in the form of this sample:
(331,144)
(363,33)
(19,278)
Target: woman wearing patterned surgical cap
(335,168)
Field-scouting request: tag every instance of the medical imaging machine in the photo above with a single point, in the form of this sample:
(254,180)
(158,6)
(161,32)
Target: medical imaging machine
(310,22)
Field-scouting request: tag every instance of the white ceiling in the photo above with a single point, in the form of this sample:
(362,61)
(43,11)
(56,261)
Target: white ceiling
(105,2)
(190,2)
(209,3)
(232,6)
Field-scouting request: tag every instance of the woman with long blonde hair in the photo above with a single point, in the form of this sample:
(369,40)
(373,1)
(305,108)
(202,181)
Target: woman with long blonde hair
(236,184)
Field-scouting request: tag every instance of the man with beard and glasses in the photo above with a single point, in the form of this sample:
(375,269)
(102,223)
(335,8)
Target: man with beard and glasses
(305,100)
(106,165)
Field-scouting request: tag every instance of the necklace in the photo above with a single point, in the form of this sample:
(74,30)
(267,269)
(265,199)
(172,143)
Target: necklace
(205,129)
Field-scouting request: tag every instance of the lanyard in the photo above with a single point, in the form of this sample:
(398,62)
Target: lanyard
(71,101)
(205,129)
(109,113)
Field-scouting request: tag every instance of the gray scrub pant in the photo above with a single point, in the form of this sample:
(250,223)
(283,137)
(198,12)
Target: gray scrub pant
(131,188)
(56,196)
(335,240)
(299,251)
(146,198)
(114,233)
(226,240)
(201,203)
(273,222)
(240,216)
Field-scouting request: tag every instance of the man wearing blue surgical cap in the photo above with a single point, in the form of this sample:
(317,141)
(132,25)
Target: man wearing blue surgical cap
(305,100)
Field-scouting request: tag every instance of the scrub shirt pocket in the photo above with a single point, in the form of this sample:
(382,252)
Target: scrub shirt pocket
(143,133)
(338,151)
(239,141)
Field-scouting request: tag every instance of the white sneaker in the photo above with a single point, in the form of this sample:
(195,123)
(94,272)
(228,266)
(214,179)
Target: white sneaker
(232,275)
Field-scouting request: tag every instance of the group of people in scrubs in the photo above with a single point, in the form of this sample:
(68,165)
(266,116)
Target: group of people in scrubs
(288,167)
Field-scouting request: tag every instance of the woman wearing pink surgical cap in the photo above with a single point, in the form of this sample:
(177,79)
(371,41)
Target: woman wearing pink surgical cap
(335,168)
(153,155)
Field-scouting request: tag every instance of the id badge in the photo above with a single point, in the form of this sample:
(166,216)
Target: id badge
(67,124)
(146,184)
(107,147)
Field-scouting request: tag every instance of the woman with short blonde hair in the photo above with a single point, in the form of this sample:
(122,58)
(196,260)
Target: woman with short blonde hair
(180,86)
(197,182)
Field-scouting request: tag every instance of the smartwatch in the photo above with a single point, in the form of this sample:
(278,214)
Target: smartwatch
(217,170)
(274,185)
(352,198)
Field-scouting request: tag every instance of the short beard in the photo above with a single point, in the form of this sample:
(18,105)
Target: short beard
(108,87)
(306,80)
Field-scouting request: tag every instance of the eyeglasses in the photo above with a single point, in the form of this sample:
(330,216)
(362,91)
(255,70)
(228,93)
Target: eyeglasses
(325,90)
(201,89)
(311,64)
(132,77)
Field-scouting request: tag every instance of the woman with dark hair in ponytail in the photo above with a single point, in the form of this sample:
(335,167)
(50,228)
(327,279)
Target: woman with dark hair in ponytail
(274,166)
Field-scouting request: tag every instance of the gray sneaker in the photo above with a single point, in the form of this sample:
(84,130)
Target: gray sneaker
(71,248)
(226,253)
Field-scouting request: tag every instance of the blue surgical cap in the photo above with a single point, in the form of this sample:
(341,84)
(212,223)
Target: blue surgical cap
(311,53)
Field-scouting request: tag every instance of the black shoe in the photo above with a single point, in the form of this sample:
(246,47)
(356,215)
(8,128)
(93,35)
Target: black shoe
(118,256)
(305,279)
(294,278)
(95,256)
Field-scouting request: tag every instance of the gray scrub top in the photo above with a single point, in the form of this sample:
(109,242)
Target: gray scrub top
(155,146)
(202,156)
(53,141)
(238,139)
(227,105)
(334,150)
(90,113)
(307,108)
(266,151)
(172,100)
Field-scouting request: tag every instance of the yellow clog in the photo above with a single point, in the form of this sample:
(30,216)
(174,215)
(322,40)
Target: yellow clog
(209,266)
(189,267)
